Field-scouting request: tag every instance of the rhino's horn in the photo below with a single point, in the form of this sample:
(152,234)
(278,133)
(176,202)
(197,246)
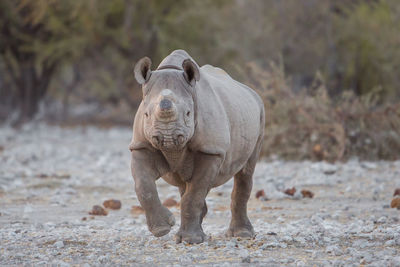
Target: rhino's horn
(166,109)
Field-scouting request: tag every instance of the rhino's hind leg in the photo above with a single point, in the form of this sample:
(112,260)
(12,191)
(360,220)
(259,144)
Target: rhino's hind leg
(240,225)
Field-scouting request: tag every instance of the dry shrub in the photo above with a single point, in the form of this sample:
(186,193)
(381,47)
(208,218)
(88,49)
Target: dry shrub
(309,124)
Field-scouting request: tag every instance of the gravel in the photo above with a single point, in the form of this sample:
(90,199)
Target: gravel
(50,177)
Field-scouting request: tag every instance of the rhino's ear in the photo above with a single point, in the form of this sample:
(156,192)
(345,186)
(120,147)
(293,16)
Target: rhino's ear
(190,71)
(142,70)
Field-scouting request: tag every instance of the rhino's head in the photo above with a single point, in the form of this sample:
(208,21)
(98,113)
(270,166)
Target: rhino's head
(168,106)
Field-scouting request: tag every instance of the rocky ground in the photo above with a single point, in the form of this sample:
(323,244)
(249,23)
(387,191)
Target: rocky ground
(50,178)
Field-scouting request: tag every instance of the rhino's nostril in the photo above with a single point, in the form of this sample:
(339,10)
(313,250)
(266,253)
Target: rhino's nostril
(156,140)
(181,139)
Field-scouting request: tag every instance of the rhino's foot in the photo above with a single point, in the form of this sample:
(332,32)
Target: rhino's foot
(245,231)
(160,223)
(191,237)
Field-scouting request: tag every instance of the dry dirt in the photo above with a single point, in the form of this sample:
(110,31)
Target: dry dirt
(50,177)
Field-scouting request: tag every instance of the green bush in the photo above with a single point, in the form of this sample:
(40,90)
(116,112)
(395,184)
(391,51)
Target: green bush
(367,39)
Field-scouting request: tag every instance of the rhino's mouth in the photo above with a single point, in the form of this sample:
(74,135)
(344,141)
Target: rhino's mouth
(168,142)
(168,137)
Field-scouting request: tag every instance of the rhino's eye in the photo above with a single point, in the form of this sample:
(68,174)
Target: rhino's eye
(188,113)
(146,114)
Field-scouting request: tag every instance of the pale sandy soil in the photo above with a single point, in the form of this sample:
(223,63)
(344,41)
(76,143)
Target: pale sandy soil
(51,177)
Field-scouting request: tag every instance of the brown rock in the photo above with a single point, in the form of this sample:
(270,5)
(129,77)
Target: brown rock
(113,204)
(98,210)
(170,202)
(307,193)
(137,210)
(290,191)
(318,151)
(395,203)
(396,192)
(260,193)
(84,219)
(221,208)
(62,175)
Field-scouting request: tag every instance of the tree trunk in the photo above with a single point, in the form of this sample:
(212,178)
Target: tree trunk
(31,89)
(27,97)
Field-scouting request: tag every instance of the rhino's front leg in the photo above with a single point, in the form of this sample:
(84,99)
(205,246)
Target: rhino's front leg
(193,200)
(145,173)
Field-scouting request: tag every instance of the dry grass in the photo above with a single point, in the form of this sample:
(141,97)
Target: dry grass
(310,125)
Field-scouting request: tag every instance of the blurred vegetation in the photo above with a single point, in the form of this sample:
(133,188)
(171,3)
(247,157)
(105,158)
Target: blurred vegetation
(309,125)
(327,69)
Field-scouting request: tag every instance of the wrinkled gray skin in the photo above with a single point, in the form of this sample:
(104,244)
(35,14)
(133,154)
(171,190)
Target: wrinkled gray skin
(195,128)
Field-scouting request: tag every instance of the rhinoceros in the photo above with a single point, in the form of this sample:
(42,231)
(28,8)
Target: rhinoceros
(196,127)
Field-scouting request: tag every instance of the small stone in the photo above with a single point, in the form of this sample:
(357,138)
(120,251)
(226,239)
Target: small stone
(369,165)
(334,250)
(329,171)
(307,193)
(103,259)
(170,202)
(113,204)
(98,210)
(396,192)
(260,193)
(62,175)
(280,219)
(395,203)
(382,219)
(62,264)
(290,191)
(59,244)
(390,243)
(84,219)
(137,210)
(246,259)
(396,261)
(300,263)
(244,253)
(316,219)
(297,195)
